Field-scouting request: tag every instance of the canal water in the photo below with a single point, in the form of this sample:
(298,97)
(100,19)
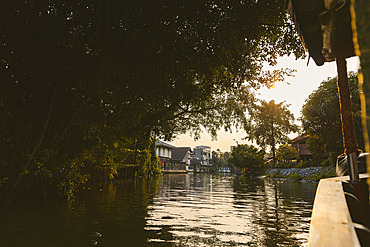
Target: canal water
(175,210)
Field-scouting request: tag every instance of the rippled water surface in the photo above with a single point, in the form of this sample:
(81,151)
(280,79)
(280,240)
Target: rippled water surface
(226,211)
(177,210)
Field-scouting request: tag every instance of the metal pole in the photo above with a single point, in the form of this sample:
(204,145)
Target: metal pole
(348,128)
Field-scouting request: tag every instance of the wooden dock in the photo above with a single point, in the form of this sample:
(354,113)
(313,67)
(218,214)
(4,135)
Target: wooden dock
(174,171)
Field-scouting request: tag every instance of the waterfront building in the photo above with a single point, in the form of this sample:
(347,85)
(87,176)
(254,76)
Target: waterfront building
(299,143)
(165,153)
(183,156)
(203,153)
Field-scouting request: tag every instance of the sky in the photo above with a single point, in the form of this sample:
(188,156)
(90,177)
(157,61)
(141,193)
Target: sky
(294,92)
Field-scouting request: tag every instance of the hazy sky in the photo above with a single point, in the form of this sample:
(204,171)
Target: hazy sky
(306,80)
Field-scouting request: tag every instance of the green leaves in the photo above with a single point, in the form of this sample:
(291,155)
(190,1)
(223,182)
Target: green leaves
(286,153)
(128,70)
(321,117)
(247,157)
(271,123)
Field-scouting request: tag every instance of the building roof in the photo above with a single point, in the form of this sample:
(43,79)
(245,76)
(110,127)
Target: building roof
(299,139)
(195,161)
(180,152)
(299,143)
(302,150)
(203,147)
(163,144)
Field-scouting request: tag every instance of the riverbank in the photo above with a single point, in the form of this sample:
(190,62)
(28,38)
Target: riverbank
(308,174)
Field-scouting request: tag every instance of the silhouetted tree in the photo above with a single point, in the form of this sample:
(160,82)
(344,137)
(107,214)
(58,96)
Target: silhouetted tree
(272,122)
(286,153)
(248,158)
(321,118)
(93,77)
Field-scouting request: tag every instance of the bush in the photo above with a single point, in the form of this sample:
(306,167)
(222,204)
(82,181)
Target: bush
(275,174)
(325,163)
(307,163)
(284,164)
(315,177)
(248,158)
(295,177)
(304,163)
(300,164)
(327,173)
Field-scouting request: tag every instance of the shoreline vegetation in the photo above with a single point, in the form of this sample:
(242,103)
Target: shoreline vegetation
(88,86)
(308,174)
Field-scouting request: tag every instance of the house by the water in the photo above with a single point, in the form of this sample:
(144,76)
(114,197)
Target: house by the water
(299,143)
(183,155)
(182,159)
(202,154)
(195,164)
(165,155)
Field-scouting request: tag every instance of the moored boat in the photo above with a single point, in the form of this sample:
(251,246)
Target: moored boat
(341,213)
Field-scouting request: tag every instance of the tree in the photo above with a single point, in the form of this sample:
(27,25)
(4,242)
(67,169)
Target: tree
(271,124)
(247,157)
(321,118)
(286,153)
(78,77)
(219,158)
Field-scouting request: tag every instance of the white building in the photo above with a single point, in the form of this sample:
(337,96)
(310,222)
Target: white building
(164,150)
(204,154)
(165,153)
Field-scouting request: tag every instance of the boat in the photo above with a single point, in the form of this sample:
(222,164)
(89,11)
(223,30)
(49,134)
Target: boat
(340,215)
(224,170)
(328,31)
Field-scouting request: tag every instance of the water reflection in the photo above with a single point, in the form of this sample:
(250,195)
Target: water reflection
(111,216)
(201,210)
(281,210)
(178,210)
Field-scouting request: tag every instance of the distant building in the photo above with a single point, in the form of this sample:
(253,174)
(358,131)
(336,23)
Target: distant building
(165,153)
(183,156)
(203,153)
(181,159)
(195,165)
(299,143)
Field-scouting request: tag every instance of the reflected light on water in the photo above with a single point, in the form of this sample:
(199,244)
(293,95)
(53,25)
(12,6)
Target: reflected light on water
(178,210)
(204,210)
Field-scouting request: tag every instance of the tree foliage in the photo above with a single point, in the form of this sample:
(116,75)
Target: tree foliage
(247,157)
(81,75)
(272,122)
(220,159)
(321,117)
(286,153)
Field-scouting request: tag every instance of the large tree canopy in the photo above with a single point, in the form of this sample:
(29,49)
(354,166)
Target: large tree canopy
(272,122)
(80,74)
(321,117)
(143,65)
